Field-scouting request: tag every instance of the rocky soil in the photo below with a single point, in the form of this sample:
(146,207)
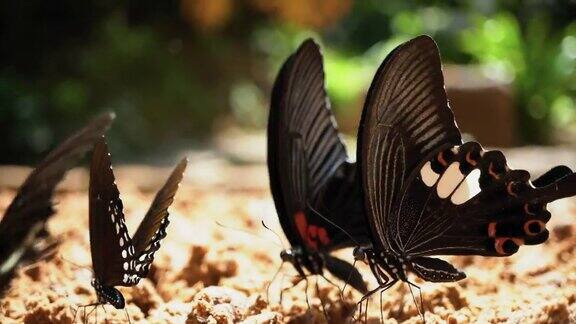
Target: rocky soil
(217,262)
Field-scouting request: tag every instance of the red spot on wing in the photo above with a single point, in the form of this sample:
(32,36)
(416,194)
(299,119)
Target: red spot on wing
(323,236)
(311,234)
(301,224)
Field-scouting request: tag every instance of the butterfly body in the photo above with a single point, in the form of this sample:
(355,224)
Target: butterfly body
(304,261)
(108,295)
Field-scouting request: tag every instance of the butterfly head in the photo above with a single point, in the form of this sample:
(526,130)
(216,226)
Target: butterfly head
(360,254)
(108,295)
(288,255)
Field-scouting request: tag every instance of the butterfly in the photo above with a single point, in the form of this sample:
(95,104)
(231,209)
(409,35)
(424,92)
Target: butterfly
(314,187)
(425,192)
(117,258)
(25,218)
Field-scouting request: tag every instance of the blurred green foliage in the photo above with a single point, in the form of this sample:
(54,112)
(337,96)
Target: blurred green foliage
(176,71)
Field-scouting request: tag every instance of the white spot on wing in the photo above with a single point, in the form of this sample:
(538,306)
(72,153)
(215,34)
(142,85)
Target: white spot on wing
(469,188)
(450,180)
(429,177)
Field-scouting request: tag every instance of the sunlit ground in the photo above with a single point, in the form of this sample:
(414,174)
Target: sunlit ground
(217,261)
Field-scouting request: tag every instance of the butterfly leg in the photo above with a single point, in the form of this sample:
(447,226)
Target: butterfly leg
(389,284)
(364,298)
(306,292)
(341,291)
(366,311)
(420,309)
(86,316)
(282,290)
(271,281)
(381,311)
(321,301)
(83,307)
(349,276)
(105,312)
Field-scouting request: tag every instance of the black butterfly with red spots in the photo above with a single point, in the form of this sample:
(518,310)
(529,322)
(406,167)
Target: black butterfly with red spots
(310,176)
(425,192)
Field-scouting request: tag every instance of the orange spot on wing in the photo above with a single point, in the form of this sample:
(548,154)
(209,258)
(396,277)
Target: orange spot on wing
(492,173)
(441,159)
(527,210)
(492,229)
(470,160)
(527,230)
(509,189)
(499,244)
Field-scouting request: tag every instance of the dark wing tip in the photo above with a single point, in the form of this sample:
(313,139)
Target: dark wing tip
(108,116)
(309,43)
(423,39)
(178,173)
(181,167)
(104,120)
(309,47)
(422,42)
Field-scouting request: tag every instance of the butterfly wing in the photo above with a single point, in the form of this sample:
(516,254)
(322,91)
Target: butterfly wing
(32,206)
(346,272)
(342,201)
(304,148)
(405,117)
(427,194)
(152,229)
(110,244)
(503,211)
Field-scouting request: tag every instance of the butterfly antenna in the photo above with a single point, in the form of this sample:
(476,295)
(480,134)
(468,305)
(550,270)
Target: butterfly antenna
(271,281)
(50,251)
(349,276)
(276,234)
(333,224)
(321,301)
(247,232)
(75,264)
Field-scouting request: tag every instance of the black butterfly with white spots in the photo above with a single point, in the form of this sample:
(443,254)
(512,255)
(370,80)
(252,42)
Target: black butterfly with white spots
(25,219)
(118,259)
(425,192)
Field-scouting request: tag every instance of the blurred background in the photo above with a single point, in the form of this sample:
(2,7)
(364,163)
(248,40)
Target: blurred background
(184,74)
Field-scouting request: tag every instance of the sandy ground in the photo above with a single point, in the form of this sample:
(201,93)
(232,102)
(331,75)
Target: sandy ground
(210,270)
